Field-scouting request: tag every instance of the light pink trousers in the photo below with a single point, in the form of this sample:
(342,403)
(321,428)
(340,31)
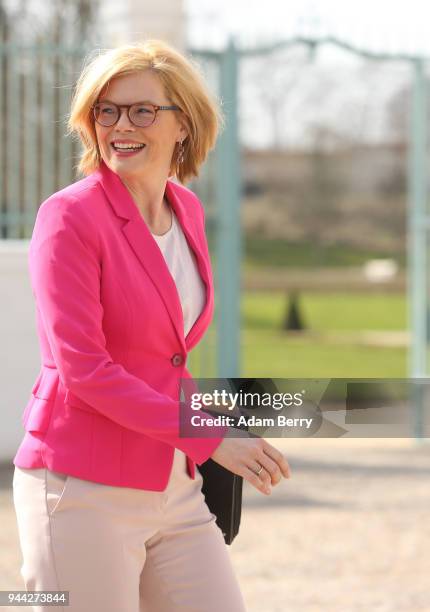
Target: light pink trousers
(118,549)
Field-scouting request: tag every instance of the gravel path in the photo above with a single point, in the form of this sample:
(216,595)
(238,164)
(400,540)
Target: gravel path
(349,532)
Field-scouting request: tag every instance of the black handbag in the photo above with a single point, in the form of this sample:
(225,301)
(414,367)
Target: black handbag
(223,495)
(222,488)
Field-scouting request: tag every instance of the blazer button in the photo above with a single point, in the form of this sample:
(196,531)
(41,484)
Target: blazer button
(177,359)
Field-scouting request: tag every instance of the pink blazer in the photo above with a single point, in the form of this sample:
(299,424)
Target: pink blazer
(105,406)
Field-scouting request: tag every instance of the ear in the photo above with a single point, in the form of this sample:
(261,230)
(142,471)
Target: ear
(183,131)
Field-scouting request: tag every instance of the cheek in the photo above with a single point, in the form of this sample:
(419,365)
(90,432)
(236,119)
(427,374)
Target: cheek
(101,138)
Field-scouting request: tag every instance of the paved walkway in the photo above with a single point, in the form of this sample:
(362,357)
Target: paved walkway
(350,532)
(390,338)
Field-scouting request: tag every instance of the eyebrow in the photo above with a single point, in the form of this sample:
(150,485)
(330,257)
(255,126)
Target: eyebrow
(137,102)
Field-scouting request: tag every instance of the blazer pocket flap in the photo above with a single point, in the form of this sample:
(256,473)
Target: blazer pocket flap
(37,414)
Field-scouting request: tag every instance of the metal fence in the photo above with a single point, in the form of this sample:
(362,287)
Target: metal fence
(36,158)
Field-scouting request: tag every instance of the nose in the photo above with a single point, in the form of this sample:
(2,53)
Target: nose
(123,121)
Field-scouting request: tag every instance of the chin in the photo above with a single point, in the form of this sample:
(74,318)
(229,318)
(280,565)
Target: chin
(124,167)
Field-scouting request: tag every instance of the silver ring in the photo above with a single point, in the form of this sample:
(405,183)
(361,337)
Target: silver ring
(259,471)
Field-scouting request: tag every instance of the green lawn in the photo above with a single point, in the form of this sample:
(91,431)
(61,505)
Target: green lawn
(272,355)
(261,252)
(327,311)
(268,351)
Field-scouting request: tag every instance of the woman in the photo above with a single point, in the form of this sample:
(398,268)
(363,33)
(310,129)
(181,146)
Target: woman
(108,501)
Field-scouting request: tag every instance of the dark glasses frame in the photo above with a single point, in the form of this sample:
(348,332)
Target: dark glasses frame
(156,108)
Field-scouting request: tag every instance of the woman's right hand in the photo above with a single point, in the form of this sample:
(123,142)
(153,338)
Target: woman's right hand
(243,456)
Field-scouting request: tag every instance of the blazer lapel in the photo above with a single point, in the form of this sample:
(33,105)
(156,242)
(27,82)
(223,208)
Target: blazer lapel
(192,232)
(146,248)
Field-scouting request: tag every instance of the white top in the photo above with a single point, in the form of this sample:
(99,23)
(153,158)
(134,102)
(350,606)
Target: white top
(182,264)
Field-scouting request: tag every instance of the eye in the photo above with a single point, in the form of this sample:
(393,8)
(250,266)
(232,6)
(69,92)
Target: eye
(142,110)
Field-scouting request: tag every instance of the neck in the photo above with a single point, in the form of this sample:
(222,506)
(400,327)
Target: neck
(149,199)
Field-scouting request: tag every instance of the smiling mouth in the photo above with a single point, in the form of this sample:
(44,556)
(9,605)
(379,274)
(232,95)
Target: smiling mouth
(127,148)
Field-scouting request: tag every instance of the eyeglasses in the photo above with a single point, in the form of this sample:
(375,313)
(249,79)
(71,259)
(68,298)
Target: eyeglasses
(141,114)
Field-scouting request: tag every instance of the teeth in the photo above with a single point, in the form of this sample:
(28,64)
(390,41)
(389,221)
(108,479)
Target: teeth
(128,146)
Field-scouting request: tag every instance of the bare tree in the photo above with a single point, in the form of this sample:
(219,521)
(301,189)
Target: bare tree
(275,78)
(35,20)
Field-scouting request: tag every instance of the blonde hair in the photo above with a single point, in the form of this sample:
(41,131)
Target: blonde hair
(183,83)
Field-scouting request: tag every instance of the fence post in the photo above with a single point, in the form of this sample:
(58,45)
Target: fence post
(228,231)
(417,233)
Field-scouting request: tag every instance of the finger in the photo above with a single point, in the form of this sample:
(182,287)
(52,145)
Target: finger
(256,481)
(284,466)
(279,458)
(270,467)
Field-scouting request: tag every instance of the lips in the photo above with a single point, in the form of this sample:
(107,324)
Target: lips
(127,149)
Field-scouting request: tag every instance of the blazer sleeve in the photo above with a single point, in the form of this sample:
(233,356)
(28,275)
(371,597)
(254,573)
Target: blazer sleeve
(65,273)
